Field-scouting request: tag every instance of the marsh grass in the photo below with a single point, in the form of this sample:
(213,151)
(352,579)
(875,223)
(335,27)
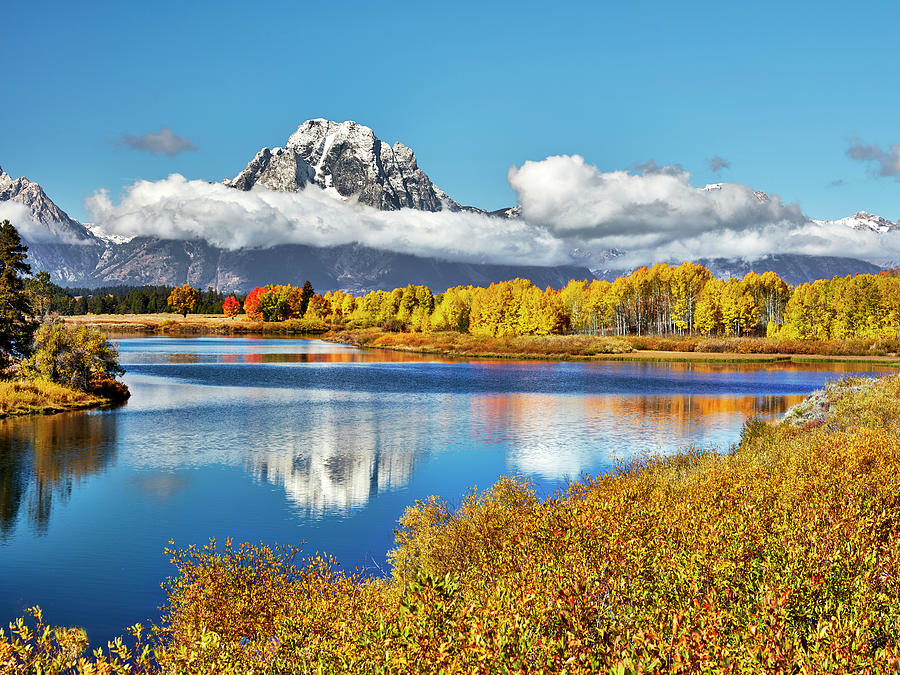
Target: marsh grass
(195,324)
(588,347)
(871,347)
(464,344)
(23,397)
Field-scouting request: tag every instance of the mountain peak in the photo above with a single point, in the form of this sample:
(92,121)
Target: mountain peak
(43,211)
(56,243)
(863,220)
(348,159)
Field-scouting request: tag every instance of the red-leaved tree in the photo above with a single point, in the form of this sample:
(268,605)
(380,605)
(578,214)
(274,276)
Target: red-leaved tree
(231,306)
(252,302)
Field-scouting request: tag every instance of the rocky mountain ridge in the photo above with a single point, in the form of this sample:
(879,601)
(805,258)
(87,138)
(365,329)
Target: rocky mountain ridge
(57,243)
(349,161)
(863,220)
(42,209)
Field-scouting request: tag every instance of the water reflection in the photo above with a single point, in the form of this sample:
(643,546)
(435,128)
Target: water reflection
(330,466)
(323,481)
(42,457)
(615,427)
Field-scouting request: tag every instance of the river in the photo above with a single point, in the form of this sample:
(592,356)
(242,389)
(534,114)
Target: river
(292,440)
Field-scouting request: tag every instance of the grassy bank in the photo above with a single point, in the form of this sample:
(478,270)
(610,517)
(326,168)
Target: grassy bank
(193,324)
(581,347)
(781,556)
(463,344)
(19,397)
(576,347)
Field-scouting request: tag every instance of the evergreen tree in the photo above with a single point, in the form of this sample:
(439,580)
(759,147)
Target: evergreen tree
(305,294)
(17,324)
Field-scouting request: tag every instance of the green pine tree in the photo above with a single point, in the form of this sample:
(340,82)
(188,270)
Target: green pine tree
(305,294)
(17,324)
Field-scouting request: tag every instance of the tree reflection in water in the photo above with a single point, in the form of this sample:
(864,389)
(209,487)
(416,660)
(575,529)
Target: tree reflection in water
(42,457)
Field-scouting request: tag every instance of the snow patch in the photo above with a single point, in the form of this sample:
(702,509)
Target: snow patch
(326,146)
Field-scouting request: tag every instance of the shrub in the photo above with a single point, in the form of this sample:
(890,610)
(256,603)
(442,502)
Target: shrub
(305,325)
(79,357)
(393,326)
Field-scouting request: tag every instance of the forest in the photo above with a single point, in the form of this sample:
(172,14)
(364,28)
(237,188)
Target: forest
(661,300)
(116,299)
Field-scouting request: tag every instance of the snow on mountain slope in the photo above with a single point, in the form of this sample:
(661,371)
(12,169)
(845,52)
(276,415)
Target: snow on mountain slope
(711,187)
(56,243)
(349,159)
(862,220)
(49,222)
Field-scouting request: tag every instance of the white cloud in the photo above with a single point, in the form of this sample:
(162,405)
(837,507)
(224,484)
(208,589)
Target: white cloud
(34,232)
(660,216)
(567,204)
(181,209)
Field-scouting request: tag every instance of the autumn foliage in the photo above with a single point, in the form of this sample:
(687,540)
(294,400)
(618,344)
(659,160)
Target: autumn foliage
(277,302)
(183,299)
(661,301)
(231,306)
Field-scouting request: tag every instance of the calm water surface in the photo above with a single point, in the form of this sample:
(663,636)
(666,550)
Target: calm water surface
(301,440)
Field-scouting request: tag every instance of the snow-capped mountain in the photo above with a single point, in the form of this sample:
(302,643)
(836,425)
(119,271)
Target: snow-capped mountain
(348,160)
(104,236)
(862,220)
(57,225)
(56,243)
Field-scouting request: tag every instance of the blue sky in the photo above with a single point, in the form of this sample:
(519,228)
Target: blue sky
(777,89)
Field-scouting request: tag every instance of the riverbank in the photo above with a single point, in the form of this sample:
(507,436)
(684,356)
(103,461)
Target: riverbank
(586,347)
(31,397)
(193,324)
(782,555)
(548,347)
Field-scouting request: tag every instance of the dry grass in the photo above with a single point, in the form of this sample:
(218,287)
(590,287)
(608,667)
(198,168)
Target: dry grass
(464,344)
(586,347)
(193,324)
(20,397)
(860,347)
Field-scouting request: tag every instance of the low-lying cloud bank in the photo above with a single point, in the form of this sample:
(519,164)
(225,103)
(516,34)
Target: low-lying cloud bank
(567,205)
(657,215)
(177,208)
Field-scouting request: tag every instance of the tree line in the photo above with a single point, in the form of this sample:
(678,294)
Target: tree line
(116,299)
(660,300)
